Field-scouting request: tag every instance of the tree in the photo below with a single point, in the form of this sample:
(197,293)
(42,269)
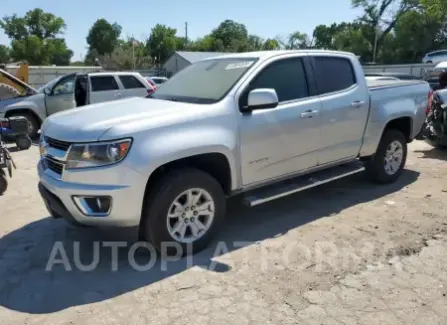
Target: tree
(324,36)
(294,41)
(351,39)
(380,17)
(103,37)
(231,36)
(420,31)
(35,22)
(36,38)
(162,42)
(270,45)
(4,54)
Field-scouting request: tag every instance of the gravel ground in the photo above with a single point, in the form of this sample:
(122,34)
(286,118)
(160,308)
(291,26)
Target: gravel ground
(345,253)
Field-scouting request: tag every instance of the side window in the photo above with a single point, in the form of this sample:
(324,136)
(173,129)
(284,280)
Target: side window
(286,76)
(334,74)
(65,86)
(103,83)
(130,82)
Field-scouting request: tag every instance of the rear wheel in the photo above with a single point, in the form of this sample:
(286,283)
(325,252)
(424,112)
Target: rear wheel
(389,160)
(184,212)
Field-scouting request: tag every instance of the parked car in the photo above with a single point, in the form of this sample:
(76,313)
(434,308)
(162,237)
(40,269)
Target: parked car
(159,80)
(75,90)
(263,125)
(152,83)
(397,75)
(435,57)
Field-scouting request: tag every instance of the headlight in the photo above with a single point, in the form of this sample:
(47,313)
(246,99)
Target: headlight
(97,154)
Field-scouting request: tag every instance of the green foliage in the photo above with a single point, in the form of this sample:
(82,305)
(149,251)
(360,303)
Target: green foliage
(162,42)
(4,54)
(103,38)
(35,38)
(397,31)
(294,41)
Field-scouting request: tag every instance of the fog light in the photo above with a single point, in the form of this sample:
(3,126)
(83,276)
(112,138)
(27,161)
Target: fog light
(95,206)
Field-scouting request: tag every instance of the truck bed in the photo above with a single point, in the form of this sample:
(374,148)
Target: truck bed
(380,84)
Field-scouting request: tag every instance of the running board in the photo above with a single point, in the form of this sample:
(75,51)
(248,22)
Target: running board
(302,183)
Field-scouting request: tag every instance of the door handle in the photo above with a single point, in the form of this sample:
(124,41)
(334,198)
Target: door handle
(357,104)
(309,114)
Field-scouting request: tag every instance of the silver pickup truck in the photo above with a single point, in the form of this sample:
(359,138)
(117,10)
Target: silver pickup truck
(264,125)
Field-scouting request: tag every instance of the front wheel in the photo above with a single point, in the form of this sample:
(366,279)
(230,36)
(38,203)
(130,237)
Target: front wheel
(183,212)
(389,160)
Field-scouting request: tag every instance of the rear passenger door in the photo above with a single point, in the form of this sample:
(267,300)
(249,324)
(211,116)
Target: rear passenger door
(345,106)
(103,88)
(132,86)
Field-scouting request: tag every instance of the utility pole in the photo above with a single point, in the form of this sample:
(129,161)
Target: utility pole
(186,33)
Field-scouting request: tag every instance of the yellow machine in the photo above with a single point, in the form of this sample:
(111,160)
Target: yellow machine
(15,85)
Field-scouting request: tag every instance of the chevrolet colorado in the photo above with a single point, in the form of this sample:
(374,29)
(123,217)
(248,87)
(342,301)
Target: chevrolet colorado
(263,124)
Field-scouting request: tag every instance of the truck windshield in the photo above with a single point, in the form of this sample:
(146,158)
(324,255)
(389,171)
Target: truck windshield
(204,82)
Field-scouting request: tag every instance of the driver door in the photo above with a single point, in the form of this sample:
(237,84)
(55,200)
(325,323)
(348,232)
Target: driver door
(285,139)
(61,96)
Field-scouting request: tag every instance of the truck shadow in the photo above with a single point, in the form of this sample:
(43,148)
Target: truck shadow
(434,153)
(27,286)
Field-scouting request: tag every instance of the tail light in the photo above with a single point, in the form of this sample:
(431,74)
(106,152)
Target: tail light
(153,84)
(430,102)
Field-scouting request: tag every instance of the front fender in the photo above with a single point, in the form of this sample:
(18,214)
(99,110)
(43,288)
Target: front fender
(26,105)
(150,152)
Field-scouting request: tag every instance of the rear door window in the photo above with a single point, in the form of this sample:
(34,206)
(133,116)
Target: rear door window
(103,83)
(333,74)
(131,82)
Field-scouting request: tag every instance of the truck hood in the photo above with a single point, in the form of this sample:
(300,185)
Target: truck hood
(124,116)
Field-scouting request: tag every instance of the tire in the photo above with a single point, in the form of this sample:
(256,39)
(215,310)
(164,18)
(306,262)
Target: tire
(33,123)
(23,142)
(3,182)
(376,167)
(154,225)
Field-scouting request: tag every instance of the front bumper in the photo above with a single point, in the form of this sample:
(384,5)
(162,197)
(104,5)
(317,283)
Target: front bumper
(127,198)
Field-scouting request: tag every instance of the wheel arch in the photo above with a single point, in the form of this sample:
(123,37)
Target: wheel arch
(17,111)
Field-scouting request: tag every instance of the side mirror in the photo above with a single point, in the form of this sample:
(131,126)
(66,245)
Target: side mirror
(262,98)
(47,91)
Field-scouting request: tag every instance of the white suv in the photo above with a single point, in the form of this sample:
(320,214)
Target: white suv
(75,90)
(435,57)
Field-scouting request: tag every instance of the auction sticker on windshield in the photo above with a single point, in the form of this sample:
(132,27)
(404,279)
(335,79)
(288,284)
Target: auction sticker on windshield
(239,65)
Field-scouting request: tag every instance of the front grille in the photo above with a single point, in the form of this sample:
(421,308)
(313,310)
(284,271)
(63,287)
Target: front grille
(54,165)
(58,144)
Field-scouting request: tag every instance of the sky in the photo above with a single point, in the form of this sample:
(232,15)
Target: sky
(261,17)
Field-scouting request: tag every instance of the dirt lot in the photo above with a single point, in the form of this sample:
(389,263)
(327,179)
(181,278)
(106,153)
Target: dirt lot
(345,253)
